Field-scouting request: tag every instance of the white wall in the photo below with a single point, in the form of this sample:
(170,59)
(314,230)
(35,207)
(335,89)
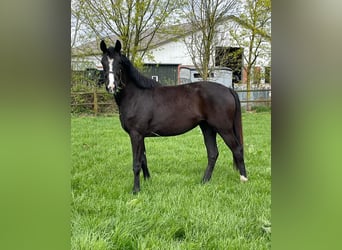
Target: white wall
(170,53)
(175,52)
(81,63)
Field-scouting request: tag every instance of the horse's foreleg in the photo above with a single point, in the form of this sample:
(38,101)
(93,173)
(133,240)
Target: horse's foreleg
(212,151)
(137,142)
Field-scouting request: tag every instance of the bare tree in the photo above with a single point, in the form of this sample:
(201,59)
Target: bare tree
(205,16)
(134,22)
(77,23)
(253,33)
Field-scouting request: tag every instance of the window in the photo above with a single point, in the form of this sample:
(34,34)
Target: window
(155,78)
(198,75)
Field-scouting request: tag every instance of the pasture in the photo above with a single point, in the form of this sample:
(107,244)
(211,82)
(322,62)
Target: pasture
(173,210)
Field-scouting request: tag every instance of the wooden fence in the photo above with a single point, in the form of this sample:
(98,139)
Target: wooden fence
(97,102)
(94,102)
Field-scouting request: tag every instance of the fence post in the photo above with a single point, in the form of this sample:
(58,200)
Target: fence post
(96,107)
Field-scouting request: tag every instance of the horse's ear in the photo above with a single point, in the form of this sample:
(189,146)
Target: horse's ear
(117,46)
(103,46)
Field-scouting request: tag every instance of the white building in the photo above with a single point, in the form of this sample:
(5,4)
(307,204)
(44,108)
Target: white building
(167,53)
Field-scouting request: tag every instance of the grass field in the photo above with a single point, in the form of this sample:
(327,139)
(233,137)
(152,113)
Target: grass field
(173,210)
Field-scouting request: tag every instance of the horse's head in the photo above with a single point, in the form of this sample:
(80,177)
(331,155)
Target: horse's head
(111,62)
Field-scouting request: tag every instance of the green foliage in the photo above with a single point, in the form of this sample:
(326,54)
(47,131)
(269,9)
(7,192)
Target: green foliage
(173,210)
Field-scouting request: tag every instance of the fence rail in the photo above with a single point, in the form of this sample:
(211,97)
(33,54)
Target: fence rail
(94,102)
(256,96)
(73,94)
(98,101)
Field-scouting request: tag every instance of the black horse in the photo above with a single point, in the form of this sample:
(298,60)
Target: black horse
(149,109)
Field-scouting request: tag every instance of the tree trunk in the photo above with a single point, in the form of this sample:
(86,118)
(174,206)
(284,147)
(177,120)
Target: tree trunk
(248,106)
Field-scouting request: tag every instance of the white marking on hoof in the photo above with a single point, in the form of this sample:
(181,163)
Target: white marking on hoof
(243,178)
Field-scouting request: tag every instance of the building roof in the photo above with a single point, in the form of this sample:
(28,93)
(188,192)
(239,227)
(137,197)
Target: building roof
(192,67)
(166,35)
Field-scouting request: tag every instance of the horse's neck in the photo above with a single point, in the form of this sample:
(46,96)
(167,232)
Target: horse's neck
(127,93)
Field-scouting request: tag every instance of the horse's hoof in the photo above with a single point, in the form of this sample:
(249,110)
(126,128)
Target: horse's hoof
(205,180)
(243,178)
(146,178)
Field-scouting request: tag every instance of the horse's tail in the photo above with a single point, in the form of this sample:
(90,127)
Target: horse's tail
(237,124)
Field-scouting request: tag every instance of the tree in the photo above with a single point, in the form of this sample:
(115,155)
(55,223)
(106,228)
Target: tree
(134,22)
(254,33)
(78,32)
(205,16)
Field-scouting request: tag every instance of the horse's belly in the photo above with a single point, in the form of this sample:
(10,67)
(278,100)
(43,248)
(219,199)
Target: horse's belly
(175,124)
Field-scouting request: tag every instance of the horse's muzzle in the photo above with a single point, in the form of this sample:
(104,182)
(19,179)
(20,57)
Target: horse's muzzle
(110,89)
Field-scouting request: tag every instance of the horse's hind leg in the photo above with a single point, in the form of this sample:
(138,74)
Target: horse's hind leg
(144,164)
(212,152)
(237,150)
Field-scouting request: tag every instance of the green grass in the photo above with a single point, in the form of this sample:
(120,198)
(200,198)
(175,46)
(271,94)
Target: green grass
(173,210)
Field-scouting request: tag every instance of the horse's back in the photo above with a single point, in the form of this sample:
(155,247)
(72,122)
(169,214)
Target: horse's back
(197,101)
(204,94)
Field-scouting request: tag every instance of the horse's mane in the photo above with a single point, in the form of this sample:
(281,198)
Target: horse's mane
(140,80)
